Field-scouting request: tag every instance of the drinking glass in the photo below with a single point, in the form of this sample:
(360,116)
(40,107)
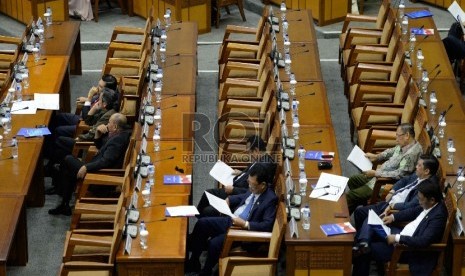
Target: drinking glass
(450,155)
(143,239)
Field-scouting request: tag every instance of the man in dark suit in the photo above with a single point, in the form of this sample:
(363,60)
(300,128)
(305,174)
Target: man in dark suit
(427,223)
(112,142)
(403,194)
(254,211)
(256,147)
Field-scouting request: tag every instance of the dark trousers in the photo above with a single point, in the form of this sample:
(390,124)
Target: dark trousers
(209,232)
(454,44)
(361,213)
(62,124)
(67,176)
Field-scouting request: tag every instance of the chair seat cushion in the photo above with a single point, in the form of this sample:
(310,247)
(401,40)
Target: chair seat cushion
(252,270)
(366,75)
(368,98)
(379,144)
(242,54)
(126,54)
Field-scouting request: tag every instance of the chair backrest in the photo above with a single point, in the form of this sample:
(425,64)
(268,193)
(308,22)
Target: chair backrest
(411,105)
(264,41)
(388,28)
(402,87)
(279,228)
(421,119)
(383,13)
(261,24)
(397,64)
(393,45)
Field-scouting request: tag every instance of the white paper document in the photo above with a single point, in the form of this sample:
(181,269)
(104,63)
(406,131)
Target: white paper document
(329,187)
(377,224)
(24,107)
(456,11)
(182,211)
(47,101)
(222,173)
(219,204)
(358,158)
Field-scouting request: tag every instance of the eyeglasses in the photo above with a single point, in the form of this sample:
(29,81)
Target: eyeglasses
(400,135)
(332,190)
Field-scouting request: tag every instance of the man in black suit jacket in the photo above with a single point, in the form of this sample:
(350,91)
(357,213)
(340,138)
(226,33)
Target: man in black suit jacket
(112,141)
(427,224)
(256,147)
(254,211)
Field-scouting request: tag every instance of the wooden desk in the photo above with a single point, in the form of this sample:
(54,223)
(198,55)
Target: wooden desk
(435,53)
(298,21)
(454,130)
(13,232)
(64,39)
(24,11)
(313,109)
(447,92)
(305,64)
(311,135)
(313,253)
(166,242)
(182,38)
(172,71)
(180,158)
(51,77)
(180,117)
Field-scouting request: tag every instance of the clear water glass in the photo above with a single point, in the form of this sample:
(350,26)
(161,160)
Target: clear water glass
(143,235)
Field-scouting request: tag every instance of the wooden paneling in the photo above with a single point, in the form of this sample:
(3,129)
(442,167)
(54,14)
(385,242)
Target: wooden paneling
(22,10)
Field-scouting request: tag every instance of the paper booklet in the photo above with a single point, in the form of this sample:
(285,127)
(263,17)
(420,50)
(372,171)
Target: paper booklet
(223,173)
(376,223)
(457,13)
(177,179)
(181,211)
(319,155)
(332,229)
(358,158)
(219,204)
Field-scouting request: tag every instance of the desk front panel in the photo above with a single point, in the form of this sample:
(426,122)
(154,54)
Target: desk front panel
(313,253)
(308,138)
(313,109)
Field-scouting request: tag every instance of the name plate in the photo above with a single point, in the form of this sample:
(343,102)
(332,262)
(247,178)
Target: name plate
(127,245)
(293,229)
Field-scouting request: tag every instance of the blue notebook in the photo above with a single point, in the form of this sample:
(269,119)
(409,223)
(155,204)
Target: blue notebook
(419,14)
(33,132)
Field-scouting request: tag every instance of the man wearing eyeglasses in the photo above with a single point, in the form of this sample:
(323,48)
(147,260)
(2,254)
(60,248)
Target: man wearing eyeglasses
(254,211)
(399,161)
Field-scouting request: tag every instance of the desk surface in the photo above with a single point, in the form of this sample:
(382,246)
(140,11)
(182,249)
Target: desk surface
(60,38)
(313,109)
(179,78)
(311,134)
(454,131)
(305,64)
(182,39)
(298,21)
(447,92)
(46,78)
(10,213)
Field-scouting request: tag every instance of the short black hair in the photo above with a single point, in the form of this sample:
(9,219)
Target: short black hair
(430,189)
(407,128)
(110,81)
(110,98)
(256,143)
(431,163)
(260,171)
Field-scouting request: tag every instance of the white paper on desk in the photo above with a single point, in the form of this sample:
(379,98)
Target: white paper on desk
(24,107)
(358,158)
(182,211)
(222,173)
(47,101)
(219,204)
(329,187)
(377,224)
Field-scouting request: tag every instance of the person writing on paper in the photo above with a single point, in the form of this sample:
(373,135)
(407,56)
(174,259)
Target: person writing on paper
(427,223)
(254,210)
(454,43)
(256,148)
(403,194)
(399,161)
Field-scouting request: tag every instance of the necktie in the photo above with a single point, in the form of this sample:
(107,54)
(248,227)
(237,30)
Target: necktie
(408,186)
(245,214)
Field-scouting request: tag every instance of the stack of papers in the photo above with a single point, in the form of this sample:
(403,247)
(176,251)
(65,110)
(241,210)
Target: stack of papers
(358,158)
(181,211)
(329,187)
(223,173)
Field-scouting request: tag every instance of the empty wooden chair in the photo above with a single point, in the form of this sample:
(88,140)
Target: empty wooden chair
(218,4)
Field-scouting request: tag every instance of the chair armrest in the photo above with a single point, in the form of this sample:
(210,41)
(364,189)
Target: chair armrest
(231,103)
(126,31)
(236,83)
(356,18)
(81,145)
(363,67)
(96,208)
(242,261)
(123,46)
(234,29)
(86,266)
(365,49)
(359,33)
(237,235)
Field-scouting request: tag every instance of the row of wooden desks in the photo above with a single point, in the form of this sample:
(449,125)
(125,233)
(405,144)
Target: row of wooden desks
(22,178)
(312,252)
(167,235)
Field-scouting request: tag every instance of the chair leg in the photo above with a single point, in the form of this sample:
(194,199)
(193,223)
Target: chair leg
(240,5)
(96,10)
(217,23)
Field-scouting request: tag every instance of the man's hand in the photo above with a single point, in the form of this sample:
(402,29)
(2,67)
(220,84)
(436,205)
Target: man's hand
(391,239)
(236,172)
(228,189)
(389,196)
(388,219)
(81,99)
(100,130)
(238,222)
(386,211)
(82,172)
(371,156)
(92,91)
(369,173)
